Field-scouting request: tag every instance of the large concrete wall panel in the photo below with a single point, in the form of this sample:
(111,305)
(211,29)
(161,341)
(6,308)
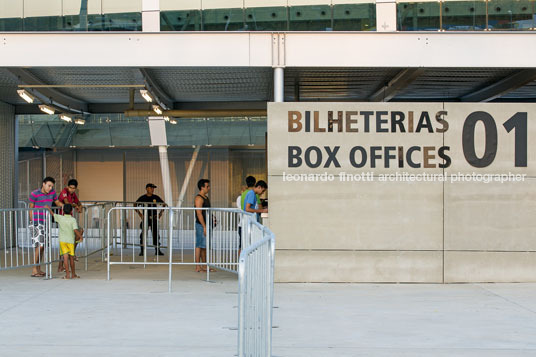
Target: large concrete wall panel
(473,221)
(359,266)
(356,215)
(496,267)
(504,160)
(490,216)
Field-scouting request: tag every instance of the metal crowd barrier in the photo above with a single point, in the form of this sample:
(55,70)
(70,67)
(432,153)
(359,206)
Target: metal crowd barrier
(255,296)
(16,246)
(131,240)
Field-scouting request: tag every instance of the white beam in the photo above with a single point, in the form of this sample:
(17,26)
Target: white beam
(320,49)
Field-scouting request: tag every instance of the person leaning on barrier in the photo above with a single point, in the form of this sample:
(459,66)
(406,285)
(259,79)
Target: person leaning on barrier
(250,183)
(68,195)
(41,198)
(150,200)
(251,202)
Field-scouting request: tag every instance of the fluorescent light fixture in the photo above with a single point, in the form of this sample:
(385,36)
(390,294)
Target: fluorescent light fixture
(79,121)
(157,109)
(251,144)
(24,94)
(173,121)
(47,109)
(66,118)
(208,145)
(146,95)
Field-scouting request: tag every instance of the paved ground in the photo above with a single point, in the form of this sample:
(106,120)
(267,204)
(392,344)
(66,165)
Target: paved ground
(134,315)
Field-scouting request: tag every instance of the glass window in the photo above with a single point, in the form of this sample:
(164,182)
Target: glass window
(511,15)
(223,20)
(354,17)
(310,18)
(114,22)
(418,16)
(464,15)
(43,23)
(12,24)
(267,18)
(186,20)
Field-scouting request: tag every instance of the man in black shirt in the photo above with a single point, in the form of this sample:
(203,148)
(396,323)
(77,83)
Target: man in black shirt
(150,200)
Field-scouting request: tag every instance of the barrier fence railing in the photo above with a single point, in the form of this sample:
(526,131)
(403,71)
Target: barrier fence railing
(255,296)
(19,231)
(131,239)
(20,234)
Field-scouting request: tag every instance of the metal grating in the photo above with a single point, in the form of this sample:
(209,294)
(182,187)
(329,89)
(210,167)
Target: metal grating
(256,84)
(8,88)
(7,159)
(451,83)
(93,76)
(215,84)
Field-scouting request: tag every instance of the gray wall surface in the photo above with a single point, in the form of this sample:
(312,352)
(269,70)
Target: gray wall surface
(453,228)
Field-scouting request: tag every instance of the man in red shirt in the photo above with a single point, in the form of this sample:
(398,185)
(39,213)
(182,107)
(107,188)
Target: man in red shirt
(68,196)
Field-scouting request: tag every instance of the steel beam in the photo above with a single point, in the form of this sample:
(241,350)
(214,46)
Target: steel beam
(162,98)
(400,81)
(248,49)
(500,88)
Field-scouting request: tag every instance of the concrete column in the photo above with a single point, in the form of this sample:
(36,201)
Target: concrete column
(166,176)
(385,15)
(157,130)
(8,148)
(150,15)
(279,84)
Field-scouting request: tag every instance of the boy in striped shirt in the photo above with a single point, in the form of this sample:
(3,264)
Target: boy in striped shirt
(41,198)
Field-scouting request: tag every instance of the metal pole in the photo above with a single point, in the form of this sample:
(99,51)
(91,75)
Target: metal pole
(108,250)
(207,250)
(279,84)
(144,236)
(86,231)
(170,245)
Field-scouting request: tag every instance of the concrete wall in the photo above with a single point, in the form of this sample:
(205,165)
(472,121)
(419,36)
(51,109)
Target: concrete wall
(378,230)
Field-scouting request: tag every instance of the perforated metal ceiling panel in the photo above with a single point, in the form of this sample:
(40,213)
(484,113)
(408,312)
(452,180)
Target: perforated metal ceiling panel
(335,84)
(8,88)
(215,84)
(93,76)
(256,84)
(451,83)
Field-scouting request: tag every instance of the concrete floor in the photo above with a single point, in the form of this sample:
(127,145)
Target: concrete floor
(133,315)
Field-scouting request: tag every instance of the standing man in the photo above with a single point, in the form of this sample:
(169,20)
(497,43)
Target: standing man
(39,199)
(251,203)
(250,183)
(68,196)
(201,201)
(150,200)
